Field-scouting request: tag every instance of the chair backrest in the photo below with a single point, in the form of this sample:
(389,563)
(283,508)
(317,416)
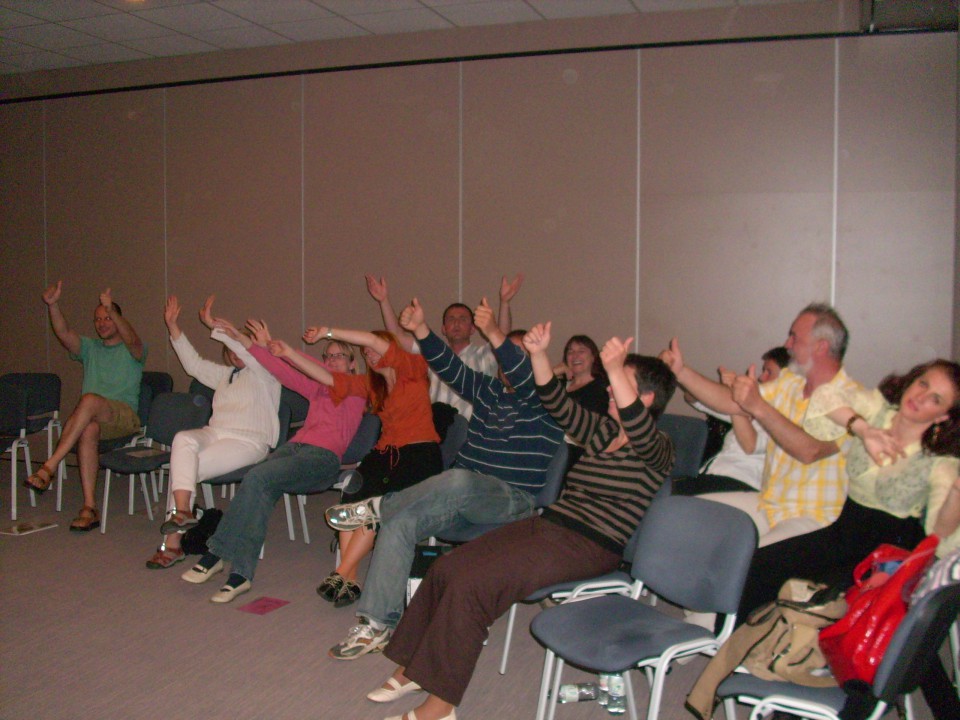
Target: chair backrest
(689,435)
(454,440)
(13,409)
(916,643)
(556,471)
(172,412)
(283,415)
(43,396)
(198,388)
(363,440)
(152,384)
(298,405)
(695,553)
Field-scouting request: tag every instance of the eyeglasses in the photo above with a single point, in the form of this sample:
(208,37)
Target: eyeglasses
(335,356)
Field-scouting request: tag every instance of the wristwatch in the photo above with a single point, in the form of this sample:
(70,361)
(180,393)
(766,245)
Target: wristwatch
(329,334)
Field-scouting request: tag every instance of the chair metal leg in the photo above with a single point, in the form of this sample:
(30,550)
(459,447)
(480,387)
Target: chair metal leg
(146,495)
(29,466)
(555,688)
(13,481)
(207,496)
(106,501)
(955,654)
(730,708)
(511,618)
(545,684)
(286,507)
(631,701)
(301,505)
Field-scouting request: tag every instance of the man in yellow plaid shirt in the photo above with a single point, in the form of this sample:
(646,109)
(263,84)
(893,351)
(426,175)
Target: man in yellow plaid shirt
(804,483)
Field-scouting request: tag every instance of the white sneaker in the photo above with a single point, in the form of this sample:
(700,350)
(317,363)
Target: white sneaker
(351,516)
(361,640)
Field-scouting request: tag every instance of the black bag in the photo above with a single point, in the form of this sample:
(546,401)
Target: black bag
(194,540)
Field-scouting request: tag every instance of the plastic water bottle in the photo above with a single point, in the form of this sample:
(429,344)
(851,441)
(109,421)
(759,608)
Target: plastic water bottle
(577,692)
(603,694)
(617,704)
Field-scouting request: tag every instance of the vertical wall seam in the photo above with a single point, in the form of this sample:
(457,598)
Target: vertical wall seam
(636,299)
(460,184)
(303,195)
(836,171)
(46,238)
(166,204)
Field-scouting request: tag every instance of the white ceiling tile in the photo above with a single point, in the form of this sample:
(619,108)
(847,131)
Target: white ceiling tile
(555,9)
(494,12)
(272,13)
(117,27)
(41,61)
(251,36)
(170,45)
(50,37)
(676,5)
(363,7)
(192,19)
(12,47)
(11,19)
(400,21)
(106,53)
(322,29)
(57,10)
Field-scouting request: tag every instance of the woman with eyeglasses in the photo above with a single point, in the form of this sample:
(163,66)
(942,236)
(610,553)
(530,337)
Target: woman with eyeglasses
(408,451)
(308,463)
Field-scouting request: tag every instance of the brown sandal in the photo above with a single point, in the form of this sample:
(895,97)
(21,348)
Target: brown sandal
(86,520)
(40,480)
(165,557)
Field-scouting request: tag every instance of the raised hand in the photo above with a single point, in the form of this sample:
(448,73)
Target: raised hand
(376,288)
(673,357)
(509,288)
(206,312)
(279,348)
(171,313)
(726,376)
(106,299)
(746,390)
(52,293)
(614,353)
(537,339)
(261,333)
(484,318)
(412,317)
(315,333)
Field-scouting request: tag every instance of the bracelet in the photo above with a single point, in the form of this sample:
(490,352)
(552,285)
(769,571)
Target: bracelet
(850,422)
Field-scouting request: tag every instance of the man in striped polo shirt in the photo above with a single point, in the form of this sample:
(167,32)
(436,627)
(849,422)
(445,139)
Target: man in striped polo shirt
(501,466)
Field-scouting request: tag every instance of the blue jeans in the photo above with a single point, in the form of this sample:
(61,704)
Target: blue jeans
(453,499)
(295,468)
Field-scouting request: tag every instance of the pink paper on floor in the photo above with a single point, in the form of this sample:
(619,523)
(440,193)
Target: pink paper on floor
(263,605)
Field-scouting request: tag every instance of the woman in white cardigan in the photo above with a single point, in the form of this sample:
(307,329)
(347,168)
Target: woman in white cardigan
(242,429)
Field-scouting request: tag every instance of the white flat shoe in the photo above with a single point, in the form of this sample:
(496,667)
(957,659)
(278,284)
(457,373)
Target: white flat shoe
(413,716)
(199,574)
(228,592)
(382,694)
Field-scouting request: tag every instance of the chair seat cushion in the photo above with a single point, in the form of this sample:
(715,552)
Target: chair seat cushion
(617,632)
(134,460)
(749,685)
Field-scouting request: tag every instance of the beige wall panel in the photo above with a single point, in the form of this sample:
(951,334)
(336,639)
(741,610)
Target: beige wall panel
(23,324)
(105,215)
(895,264)
(381,189)
(233,169)
(550,189)
(736,151)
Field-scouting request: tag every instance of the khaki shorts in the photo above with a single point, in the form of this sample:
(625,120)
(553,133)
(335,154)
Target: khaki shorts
(125,421)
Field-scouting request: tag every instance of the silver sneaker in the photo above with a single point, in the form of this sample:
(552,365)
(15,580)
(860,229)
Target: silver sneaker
(351,516)
(361,640)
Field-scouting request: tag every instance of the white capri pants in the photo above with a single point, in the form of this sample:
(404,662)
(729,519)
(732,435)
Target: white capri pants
(749,502)
(207,453)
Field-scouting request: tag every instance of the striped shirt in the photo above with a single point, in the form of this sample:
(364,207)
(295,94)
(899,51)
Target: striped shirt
(606,493)
(510,436)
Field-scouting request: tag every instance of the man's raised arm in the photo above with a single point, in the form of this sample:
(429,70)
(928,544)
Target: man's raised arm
(124,328)
(67,337)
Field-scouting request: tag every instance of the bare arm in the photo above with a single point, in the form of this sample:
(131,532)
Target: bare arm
(613,355)
(412,319)
(791,438)
(354,337)
(744,430)
(483,319)
(508,289)
(948,517)
(67,337)
(378,291)
(303,363)
(536,341)
(714,395)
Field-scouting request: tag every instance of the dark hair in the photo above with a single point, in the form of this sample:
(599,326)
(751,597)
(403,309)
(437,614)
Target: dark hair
(942,438)
(451,306)
(518,334)
(596,370)
(653,375)
(378,383)
(780,355)
(828,326)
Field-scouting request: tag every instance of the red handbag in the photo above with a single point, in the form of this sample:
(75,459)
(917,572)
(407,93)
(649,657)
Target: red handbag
(876,603)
